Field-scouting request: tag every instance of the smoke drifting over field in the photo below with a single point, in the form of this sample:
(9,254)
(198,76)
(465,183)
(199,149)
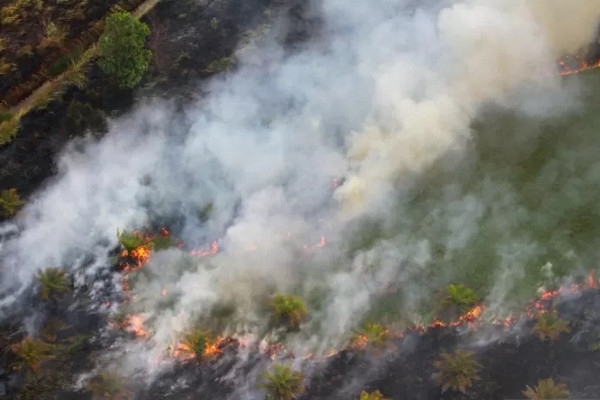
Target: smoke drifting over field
(334,140)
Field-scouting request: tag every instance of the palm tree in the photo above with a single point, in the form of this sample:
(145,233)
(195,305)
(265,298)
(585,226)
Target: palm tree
(550,326)
(546,389)
(461,296)
(53,280)
(33,352)
(457,370)
(282,383)
(289,311)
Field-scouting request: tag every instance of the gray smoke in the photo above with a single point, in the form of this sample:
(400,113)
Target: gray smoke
(387,98)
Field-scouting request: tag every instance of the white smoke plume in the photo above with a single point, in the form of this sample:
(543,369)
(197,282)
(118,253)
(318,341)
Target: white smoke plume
(390,89)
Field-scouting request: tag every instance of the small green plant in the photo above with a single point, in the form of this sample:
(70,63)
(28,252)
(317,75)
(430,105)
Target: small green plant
(53,281)
(376,395)
(197,342)
(9,200)
(546,389)
(108,386)
(122,49)
(214,24)
(288,311)
(221,65)
(457,370)
(461,296)
(372,334)
(282,383)
(549,326)
(8,130)
(33,352)
(130,240)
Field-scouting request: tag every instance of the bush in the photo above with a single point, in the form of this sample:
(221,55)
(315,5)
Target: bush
(546,389)
(372,334)
(10,202)
(455,370)
(550,326)
(461,296)
(197,342)
(288,311)
(122,52)
(52,281)
(376,395)
(282,383)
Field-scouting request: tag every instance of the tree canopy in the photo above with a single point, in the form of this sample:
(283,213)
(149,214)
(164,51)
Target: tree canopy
(122,49)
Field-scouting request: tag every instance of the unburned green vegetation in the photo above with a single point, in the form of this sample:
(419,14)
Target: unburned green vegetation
(122,49)
(282,383)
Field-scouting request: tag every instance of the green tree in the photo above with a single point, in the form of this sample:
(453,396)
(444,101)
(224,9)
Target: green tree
(461,296)
(122,49)
(455,370)
(288,310)
(283,383)
(546,389)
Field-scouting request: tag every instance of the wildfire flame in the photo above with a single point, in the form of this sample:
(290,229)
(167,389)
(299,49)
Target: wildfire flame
(214,249)
(135,325)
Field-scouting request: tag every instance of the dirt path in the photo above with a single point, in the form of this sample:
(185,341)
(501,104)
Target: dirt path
(49,87)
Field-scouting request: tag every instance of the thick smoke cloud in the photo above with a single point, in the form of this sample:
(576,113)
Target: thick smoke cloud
(389,92)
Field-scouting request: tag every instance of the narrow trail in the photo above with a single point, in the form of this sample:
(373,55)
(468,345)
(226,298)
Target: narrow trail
(52,85)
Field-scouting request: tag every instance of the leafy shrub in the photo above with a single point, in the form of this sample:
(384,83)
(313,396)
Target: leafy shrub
(373,334)
(550,326)
(108,386)
(288,311)
(461,296)
(33,352)
(282,383)
(130,240)
(376,395)
(122,51)
(9,201)
(546,389)
(52,281)
(197,342)
(455,370)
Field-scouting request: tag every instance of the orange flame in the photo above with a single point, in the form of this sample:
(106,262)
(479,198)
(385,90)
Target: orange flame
(214,249)
(136,326)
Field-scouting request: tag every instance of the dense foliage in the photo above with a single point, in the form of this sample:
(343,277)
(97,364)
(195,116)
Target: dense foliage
(122,50)
(288,311)
(282,383)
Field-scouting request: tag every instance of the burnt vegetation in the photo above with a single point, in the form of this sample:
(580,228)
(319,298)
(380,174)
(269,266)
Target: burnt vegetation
(43,38)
